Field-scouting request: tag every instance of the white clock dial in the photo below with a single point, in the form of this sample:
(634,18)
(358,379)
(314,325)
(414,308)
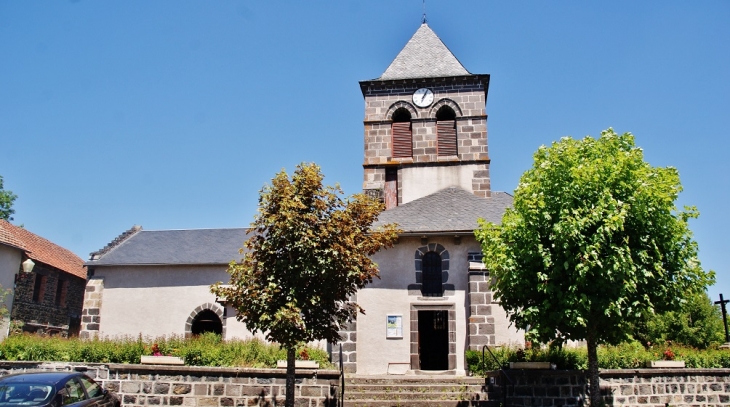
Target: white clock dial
(423,97)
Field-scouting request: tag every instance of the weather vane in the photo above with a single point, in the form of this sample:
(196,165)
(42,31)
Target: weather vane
(423,20)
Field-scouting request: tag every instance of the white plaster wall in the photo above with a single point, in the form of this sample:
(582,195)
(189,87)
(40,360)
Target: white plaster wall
(389,295)
(374,351)
(418,182)
(10,258)
(505,333)
(157,300)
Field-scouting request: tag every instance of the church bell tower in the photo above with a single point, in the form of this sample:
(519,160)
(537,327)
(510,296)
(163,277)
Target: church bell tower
(425,125)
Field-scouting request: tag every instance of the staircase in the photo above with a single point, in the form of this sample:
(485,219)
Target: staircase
(418,391)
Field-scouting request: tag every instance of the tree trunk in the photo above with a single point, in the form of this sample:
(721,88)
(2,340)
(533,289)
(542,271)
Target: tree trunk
(290,376)
(595,385)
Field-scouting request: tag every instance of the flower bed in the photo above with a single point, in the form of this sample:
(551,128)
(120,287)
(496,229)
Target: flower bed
(624,356)
(205,350)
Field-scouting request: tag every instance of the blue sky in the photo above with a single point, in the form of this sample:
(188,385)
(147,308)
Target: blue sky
(173,114)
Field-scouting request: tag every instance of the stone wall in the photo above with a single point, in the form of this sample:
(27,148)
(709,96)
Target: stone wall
(481,321)
(674,387)
(467,98)
(624,387)
(54,311)
(139,385)
(348,342)
(92,307)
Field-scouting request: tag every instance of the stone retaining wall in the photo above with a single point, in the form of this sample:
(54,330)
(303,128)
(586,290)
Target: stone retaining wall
(620,387)
(674,387)
(191,386)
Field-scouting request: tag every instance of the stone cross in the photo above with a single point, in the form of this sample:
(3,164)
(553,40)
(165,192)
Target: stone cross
(722,303)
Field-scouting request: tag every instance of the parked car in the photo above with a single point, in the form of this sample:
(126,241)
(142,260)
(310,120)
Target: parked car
(54,389)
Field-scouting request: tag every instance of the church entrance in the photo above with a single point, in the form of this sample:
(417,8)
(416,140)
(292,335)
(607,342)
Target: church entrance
(206,321)
(433,339)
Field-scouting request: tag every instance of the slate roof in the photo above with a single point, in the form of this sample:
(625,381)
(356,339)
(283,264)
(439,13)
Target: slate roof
(451,209)
(41,250)
(176,247)
(114,243)
(424,56)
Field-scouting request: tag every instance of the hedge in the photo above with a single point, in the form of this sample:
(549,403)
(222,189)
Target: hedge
(205,350)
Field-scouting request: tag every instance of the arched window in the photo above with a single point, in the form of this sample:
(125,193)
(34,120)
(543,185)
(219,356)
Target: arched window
(446,131)
(401,130)
(206,321)
(432,279)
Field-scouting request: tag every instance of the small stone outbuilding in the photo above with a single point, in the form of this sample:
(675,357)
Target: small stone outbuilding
(49,299)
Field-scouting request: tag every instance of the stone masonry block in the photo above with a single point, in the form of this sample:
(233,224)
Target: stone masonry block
(207,402)
(259,391)
(311,391)
(181,388)
(131,387)
(200,389)
(477,299)
(153,400)
(484,310)
(112,386)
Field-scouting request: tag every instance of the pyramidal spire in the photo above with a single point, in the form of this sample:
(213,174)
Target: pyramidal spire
(424,56)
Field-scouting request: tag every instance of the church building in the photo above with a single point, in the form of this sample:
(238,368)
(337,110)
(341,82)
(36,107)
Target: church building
(426,156)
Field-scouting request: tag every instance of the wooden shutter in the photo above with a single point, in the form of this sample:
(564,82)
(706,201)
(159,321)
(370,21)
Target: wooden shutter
(446,130)
(402,139)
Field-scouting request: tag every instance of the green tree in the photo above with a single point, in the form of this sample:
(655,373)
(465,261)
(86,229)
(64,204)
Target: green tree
(307,255)
(698,324)
(6,202)
(594,241)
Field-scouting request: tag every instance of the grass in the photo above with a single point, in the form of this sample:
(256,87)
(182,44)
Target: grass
(204,350)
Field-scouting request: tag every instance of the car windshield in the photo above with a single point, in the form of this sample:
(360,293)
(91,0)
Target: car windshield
(25,394)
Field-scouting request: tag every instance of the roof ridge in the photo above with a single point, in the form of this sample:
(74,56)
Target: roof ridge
(114,243)
(187,229)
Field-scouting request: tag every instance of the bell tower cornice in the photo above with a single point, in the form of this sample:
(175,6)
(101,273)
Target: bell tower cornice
(406,85)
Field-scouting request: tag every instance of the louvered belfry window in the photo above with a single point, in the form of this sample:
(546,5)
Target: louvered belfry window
(447,137)
(446,131)
(402,135)
(402,139)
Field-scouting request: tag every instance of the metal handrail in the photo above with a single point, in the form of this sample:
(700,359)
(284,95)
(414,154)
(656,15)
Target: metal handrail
(501,371)
(342,380)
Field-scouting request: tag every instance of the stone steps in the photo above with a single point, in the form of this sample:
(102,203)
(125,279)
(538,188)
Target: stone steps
(417,391)
(422,403)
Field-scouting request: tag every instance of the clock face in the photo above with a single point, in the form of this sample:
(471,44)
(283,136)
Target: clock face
(423,97)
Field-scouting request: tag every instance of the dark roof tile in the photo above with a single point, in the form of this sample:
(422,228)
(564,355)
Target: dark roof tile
(176,247)
(449,210)
(424,56)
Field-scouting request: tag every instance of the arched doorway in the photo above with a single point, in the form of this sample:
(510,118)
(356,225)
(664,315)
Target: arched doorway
(206,321)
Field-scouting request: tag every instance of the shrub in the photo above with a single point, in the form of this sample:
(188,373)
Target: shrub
(204,350)
(630,355)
